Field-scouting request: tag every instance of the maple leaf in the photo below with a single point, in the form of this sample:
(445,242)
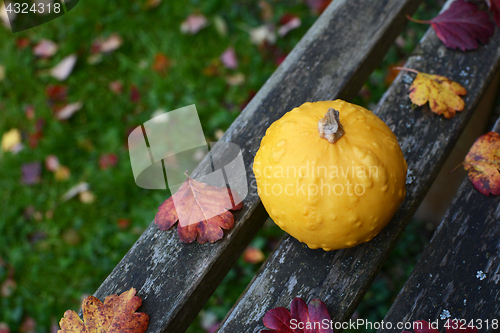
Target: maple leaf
(201,209)
(117,314)
(482,163)
(300,318)
(460,25)
(442,94)
(495,9)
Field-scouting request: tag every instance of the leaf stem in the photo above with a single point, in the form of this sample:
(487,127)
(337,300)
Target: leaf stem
(455,168)
(407,69)
(415,20)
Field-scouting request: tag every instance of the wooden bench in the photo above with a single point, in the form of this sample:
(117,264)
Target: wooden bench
(331,61)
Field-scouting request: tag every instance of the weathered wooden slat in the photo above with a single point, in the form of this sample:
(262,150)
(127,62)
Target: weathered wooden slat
(341,278)
(332,60)
(458,275)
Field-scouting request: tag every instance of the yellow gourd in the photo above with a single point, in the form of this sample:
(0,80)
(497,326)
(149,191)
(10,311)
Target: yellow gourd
(331,174)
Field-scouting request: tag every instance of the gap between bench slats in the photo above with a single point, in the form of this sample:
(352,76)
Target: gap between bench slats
(341,278)
(448,279)
(332,60)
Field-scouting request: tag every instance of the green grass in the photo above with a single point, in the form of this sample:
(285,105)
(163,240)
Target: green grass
(65,250)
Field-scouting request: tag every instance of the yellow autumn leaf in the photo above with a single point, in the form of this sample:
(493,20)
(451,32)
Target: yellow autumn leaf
(442,94)
(117,314)
(11,139)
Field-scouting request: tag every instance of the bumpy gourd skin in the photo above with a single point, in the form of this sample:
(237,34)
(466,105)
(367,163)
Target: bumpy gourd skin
(330,195)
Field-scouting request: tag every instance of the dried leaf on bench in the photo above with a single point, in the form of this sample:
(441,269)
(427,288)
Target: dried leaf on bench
(442,94)
(117,314)
(482,163)
(461,25)
(203,210)
(300,318)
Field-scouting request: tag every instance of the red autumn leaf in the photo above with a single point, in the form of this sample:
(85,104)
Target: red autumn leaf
(482,163)
(461,24)
(117,314)
(253,255)
(107,161)
(135,95)
(300,319)
(22,42)
(495,9)
(201,209)
(317,6)
(161,63)
(56,92)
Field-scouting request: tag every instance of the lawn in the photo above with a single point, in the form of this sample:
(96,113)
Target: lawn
(54,252)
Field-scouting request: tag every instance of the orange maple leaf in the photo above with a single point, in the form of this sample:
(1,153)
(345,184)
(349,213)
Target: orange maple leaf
(442,93)
(201,209)
(116,315)
(482,163)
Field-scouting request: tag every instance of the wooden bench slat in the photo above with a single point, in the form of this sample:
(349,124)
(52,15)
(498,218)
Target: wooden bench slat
(341,278)
(332,60)
(448,276)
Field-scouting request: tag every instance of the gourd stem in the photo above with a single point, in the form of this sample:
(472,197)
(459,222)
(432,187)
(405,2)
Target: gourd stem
(329,127)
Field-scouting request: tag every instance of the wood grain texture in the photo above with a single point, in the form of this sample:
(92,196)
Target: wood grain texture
(332,60)
(341,278)
(458,275)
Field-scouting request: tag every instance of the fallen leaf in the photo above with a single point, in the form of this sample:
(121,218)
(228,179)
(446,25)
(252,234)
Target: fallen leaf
(56,92)
(235,79)
(161,63)
(86,197)
(8,287)
(71,236)
(494,6)
(45,48)
(107,45)
(31,173)
(288,23)
(461,25)
(75,190)
(52,163)
(266,11)
(4,328)
(220,25)
(201,209)
(11,139)
(107,161)
(482,163)
(62,70)
(228,58)
(29,111)
(28,325)
(442,94)
(262,34)
(193,24)
(123,223)
(2,73)
(117,314)
(68,110)
(150,4)
(116,87)
(22,42)
(35,136)
(253,255)
(317,6)
(62,173)
(135,95)
(280,319)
